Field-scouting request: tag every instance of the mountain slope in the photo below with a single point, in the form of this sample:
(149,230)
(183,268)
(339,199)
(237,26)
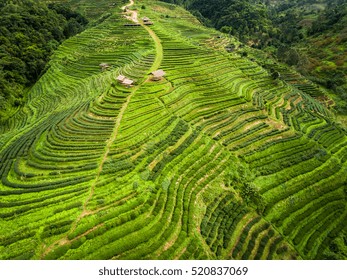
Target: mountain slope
(217,160)
(308,35)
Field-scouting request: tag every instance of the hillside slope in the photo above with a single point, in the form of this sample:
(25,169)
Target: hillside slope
(217,160)
(307,35)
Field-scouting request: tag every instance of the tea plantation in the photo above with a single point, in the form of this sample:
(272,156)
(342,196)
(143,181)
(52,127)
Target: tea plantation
(217,160)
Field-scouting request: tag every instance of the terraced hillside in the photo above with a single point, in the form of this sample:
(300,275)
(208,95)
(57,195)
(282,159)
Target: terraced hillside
(215,161)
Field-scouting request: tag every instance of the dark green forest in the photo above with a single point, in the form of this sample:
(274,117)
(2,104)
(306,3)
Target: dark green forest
(29,33)
(308,35)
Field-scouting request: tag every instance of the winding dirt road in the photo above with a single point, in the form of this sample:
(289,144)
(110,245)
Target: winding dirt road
(133,14)
(113,137)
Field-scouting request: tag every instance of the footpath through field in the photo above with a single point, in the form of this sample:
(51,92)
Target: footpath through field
(156,64)
(159,49)
(133,13)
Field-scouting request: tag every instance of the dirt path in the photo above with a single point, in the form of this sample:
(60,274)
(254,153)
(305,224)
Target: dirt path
(128,5)
(158,46)
(158,49)
(109,142)
(133,14)
(113,137)
(85,212)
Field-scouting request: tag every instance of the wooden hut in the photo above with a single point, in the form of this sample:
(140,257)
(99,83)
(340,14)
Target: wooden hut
(120,78)
(157,75)
(146,21)
(127,82)
(124,81)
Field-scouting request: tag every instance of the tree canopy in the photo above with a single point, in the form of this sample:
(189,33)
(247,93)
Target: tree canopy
(29,32)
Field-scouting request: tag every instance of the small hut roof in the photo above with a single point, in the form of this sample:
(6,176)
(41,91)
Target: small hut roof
(159,73)
(145,19)
(128,82)
(104,65)
(120,78)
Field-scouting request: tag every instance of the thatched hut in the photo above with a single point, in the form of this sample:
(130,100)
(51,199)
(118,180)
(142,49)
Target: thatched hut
(127,82)
(157,75)
(146,21)
(120,78)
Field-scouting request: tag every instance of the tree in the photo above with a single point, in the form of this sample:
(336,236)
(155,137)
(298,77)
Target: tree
(244,54)
(274,74)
